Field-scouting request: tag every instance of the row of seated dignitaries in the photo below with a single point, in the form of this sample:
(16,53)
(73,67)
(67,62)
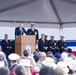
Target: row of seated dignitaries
(45,45)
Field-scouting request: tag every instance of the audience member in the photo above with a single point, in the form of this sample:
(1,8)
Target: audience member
(25,53)
(36,57)
(13,57)
(57,57)
(60,71)
(47,71)
(27,64)
(36,52)
(72,56)
(72,66)
(42,57)
(64,55)
(30,57)
(3,60)
(68,61)
(4,71)
(63,66)
(21,70)
(49,62)
(50,54)
(39,54)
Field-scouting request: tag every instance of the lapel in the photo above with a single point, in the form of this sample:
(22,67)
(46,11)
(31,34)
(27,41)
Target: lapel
(20,31)
(6,41)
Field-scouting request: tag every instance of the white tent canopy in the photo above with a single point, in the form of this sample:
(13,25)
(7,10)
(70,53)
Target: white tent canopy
(45,13)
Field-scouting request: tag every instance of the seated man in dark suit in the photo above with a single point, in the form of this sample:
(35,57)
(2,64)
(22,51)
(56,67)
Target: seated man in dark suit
(43,44)
(62,45)
(6,45)
(52,45)
(33,31)
(20,30)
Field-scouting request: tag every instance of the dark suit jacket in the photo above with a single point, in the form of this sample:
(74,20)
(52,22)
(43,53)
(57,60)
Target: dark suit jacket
(61,44)
(5,46)
(42,44)
(52,44)
(18,32)
(35,32)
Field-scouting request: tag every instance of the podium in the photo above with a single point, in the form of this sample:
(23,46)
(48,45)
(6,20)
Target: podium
(25,42)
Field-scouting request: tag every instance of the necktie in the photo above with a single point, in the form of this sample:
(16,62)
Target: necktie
(21,30)
(7,41)
(43,41)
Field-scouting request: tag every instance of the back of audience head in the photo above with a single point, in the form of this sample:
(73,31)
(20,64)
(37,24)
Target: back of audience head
(59,71)
(50,54)
(26,53)
(36,52)
(57,57)
(4,71)
(72,56)
(3,55)
(64,55)
(63,66)
(13,57)
(39,54)
(43,55)
(3,59)
(27,62)
(47,71)
(69,51)
(36,57)
(49,62)
(20,70)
